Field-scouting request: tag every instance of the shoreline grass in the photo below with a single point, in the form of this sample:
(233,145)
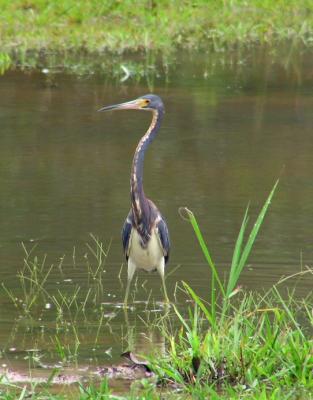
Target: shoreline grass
(259,351)
(29,27)
(238,343)
(151,25)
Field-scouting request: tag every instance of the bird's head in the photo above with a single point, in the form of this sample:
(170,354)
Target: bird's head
(149,102)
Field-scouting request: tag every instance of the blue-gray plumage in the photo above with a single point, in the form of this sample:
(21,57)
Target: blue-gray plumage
(145,235)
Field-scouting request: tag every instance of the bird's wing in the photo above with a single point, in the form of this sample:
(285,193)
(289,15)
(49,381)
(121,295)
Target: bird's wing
(126,231)
(164,237)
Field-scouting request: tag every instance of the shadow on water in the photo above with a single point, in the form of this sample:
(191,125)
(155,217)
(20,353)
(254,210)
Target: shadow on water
(233,125)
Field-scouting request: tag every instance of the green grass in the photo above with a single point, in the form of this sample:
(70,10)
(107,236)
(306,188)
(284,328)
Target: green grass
(259,347)
(240,345)
(150,25)
(110,26)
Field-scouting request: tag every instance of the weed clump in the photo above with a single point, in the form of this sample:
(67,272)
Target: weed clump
(239,343)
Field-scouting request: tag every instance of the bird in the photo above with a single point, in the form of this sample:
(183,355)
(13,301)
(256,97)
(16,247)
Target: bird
(145,235)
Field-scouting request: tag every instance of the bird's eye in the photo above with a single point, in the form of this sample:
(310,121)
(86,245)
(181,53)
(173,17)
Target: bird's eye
(146,102)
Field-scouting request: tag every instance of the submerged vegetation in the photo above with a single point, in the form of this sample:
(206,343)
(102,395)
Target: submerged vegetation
(33,29)
(234,344)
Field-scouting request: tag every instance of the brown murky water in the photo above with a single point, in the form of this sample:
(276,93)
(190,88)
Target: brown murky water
(232,127)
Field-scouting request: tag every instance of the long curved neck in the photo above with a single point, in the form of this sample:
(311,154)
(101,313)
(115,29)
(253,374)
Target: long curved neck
(138,199)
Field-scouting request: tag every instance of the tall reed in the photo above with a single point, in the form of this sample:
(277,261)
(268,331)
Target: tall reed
(219,290)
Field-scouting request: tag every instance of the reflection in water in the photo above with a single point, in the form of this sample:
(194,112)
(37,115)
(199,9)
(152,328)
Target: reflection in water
(146,339)
(231,128)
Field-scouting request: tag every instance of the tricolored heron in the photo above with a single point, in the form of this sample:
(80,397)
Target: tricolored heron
(145,235)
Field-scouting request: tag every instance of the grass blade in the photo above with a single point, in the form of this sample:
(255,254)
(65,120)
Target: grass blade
(236,254)
(204,248)
(248,247)
(199,302)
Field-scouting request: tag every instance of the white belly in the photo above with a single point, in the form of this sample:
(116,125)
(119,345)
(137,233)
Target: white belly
(145,258)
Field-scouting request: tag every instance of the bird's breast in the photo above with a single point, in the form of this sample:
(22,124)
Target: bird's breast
(145,257)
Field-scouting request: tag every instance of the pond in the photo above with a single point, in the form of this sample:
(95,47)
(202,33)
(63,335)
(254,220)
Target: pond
(233,125)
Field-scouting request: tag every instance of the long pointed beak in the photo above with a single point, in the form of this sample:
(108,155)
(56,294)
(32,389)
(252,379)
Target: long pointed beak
(129,105)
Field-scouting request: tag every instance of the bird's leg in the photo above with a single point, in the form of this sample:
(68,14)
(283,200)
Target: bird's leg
(130,273)
(160,269)
(164,289)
